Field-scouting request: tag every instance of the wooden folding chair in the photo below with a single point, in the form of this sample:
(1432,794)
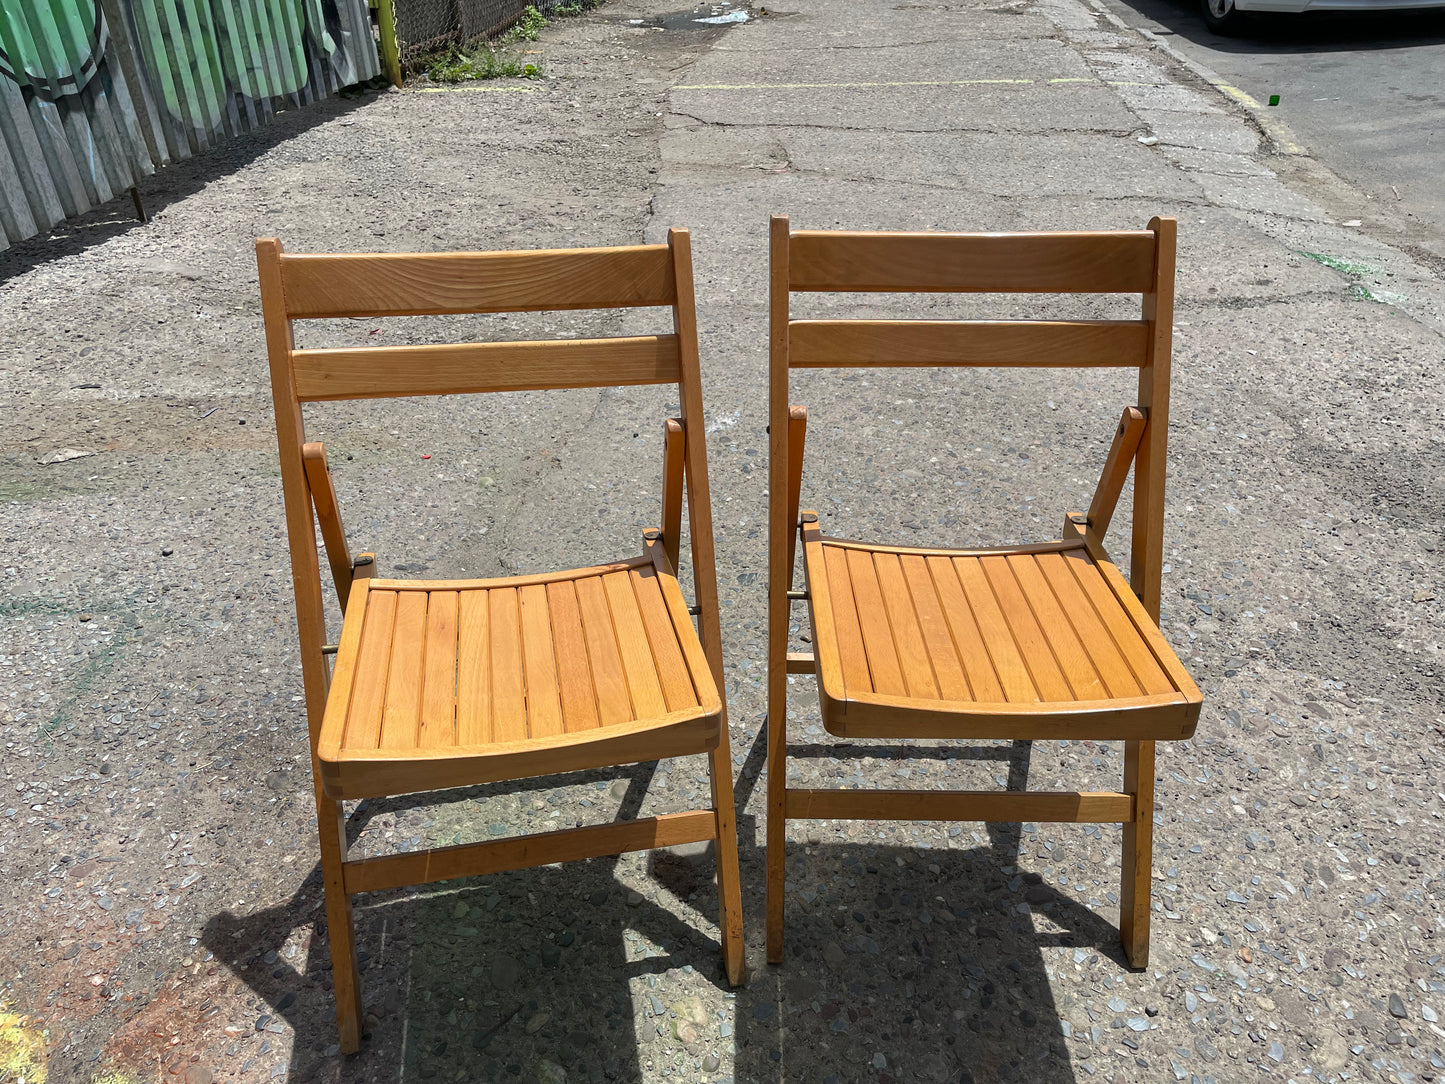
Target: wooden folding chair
(1040,641)
(441,684)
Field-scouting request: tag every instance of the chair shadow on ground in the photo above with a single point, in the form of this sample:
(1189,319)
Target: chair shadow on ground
(902,964)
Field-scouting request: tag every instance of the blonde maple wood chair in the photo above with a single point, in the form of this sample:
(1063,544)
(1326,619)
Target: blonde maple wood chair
(440,684)
(1026,642)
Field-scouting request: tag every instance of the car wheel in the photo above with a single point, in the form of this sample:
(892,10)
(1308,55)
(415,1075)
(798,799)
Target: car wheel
(1222,17)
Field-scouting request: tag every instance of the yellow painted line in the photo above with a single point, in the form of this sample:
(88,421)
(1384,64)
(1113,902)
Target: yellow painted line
(858,86)
(475,90)
(1282,136)
(1239,96)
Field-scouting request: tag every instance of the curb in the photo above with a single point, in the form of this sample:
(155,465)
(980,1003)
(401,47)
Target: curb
(1284,140)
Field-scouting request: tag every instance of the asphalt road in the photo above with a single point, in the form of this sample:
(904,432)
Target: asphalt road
(1365,92)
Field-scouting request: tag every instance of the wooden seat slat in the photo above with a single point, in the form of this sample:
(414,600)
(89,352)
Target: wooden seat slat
(1033,645)
(1122,631)
(672,673)
(368,694)
(977,665)
(908,642)
(1014,676)
(1112,667)
(637,664)
(933,626)
(404,676)
(614,704)
(1070,654)
(574,674)
(884,670)
(474,668)
(509,685)
(539,659)
(852,655)
(438,727)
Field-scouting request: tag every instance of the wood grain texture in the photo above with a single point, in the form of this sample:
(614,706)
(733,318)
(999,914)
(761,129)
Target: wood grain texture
(1116,470)
(401,716)
(780,576)
(474,669)
(667,660)
(438,723)
(372,773)
(372,664)
(328,515)
(523,852)
(1080,344)
(674,459)
(1146,550)
(884,672)
(509,680)
(643,685)
(382,372)
(1023,642)
(1081,262)
(539,659)
(1036,643)
(961,805)
(453,683)
(431,284)
(574,673)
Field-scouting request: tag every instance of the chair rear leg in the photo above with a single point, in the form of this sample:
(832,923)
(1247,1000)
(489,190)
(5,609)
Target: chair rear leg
(777,823)
(1134,891)
(729,887)
(345,974)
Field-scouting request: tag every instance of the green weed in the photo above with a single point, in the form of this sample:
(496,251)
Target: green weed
(528,26)
(482,62)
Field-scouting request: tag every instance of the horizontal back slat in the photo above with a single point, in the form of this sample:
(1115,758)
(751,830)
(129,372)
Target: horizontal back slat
(825,344)
(381,371)
(836,260)
(475,282)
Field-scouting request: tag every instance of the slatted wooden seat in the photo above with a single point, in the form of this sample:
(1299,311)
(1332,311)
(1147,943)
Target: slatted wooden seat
(1026,642)
(440,684)
(486,680)
(1031,642)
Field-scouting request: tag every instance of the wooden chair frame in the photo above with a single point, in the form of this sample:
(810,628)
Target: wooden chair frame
(312,286)
(1139,262)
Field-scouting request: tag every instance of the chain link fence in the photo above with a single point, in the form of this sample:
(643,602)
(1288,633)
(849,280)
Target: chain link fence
(425,26)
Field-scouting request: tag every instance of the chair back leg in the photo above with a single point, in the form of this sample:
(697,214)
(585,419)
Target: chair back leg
(1134,888)
(729,881)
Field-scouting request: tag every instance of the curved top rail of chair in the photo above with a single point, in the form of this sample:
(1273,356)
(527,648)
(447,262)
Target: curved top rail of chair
(448,283)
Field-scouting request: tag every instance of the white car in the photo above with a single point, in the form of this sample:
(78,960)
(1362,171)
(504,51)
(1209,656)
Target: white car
(1225,16)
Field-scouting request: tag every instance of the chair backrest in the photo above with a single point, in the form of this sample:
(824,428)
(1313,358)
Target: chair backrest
(304,287)
(1135,261)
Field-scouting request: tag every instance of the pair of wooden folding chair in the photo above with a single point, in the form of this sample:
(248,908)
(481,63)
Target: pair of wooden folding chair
(442,684)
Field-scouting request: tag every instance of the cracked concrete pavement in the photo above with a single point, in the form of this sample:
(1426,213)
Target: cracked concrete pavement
(159,913)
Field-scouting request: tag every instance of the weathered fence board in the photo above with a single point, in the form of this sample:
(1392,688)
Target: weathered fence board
(95,94)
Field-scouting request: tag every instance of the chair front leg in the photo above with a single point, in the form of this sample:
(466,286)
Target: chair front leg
(345,974)
(1134,891)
